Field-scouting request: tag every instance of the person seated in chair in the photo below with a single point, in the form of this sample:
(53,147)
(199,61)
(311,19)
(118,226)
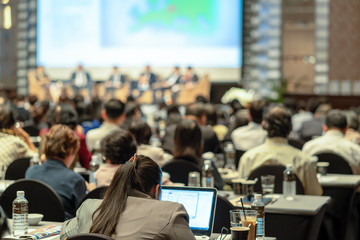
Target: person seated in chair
(61,146)
(277,151)
(117,148)
(130,208)
(14,141)
(188,146)
(333,141)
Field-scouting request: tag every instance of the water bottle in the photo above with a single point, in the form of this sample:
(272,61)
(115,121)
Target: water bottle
(230,157)
(35,160)
(20,214)
(94,166)
(259,206)
(207,174)
(289,183)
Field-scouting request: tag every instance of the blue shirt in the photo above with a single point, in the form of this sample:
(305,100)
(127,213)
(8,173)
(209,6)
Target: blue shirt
(70,186)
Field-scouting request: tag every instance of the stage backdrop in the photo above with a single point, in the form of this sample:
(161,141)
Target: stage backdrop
(206,34)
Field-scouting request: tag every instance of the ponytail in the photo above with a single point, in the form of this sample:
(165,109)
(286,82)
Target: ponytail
(140,173)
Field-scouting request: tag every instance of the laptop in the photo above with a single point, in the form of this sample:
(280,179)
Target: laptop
(199,203)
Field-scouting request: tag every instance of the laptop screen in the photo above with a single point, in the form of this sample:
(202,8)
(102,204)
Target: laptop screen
(199,203)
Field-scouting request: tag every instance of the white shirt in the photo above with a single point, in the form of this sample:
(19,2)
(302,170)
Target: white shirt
(94,136)
(278,151)
(80,79)
(248,136)
(333,141)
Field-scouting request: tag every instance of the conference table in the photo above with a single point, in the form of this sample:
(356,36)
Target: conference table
(297,219)
(42,224)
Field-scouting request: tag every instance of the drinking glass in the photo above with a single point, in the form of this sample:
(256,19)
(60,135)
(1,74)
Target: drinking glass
(194,179)
(235,218)
(249,220)
(268,184)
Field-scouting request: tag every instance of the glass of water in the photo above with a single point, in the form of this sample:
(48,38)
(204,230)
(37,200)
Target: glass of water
(268,184)
(194,179)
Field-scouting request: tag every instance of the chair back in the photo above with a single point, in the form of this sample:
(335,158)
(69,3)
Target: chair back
(16,169)
(222,214)
(179,170)
(89,236)
(42,199)
(277,171)
(296,143)
(32,130)
(337,163)
(238,155)
(97,193)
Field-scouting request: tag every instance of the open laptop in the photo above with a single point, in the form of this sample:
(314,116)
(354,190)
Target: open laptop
(199,203)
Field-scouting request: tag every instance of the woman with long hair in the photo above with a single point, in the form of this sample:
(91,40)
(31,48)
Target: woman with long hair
(130,208)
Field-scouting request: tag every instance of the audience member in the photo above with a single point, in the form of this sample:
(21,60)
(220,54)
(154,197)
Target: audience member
(277,151)
(132,113)
(38,114)
(352,134)
(195,111)
(130,208)
(333,141)
(65,114)
(212,115)
(253,134)
(188,147)
(142,133)
(113,118)
(22,113)
(117,147)
(302,115)
(61,145)
(14,141)
(314,127)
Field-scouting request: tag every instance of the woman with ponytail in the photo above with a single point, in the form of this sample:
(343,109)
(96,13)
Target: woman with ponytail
(130,208)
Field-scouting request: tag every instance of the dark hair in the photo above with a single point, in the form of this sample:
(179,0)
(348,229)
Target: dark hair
(278,122)
(7,119)
(114,108)
(336,118)
(187,135)
(195,109)
(33,99)
(142,132)
(241,118)
(60,141)
(141,175)
(352,120)
(256,111)
(130,108)
(63,114)
(211,114)
(118,146)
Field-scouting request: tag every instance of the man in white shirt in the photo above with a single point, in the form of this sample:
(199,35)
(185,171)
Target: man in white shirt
(276,151)
(80,81)
(333,141)
(253,134)
(113,117)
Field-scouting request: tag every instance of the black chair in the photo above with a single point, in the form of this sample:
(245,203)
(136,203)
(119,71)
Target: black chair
(16,169)
(97,193)
(296,143)
(179,170)
(277,171)
(337,164)
(89,236)
(32,131)
(238,155)
(222,214)
(42,199)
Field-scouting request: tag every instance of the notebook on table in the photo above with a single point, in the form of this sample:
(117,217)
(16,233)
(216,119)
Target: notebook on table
(199,203)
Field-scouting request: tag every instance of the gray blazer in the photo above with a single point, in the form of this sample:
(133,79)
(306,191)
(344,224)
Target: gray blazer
(143,218)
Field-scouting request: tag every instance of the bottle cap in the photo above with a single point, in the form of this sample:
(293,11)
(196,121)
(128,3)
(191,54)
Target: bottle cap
(207,162)
(258,197)
(20,193)
(208,155)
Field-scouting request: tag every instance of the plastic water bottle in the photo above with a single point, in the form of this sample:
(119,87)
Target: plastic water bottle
(94,165)
(20,214)
(289,183)
(230,157)
(207,174)
(259,206)
(35,160)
